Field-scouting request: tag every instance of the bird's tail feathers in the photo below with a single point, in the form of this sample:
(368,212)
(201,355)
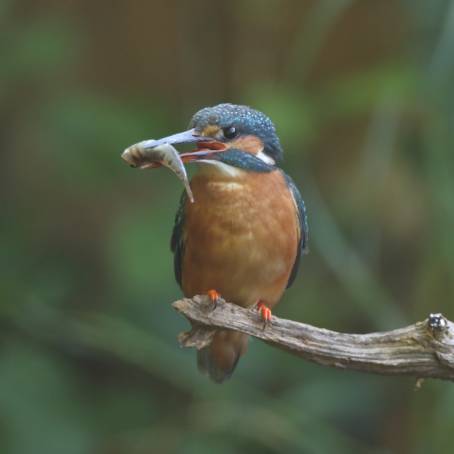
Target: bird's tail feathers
(219,359)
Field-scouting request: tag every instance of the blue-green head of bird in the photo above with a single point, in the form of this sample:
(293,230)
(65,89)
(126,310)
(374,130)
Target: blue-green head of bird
(234,135)
(241,128)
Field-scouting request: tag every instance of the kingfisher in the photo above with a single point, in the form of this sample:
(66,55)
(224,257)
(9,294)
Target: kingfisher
(244,236)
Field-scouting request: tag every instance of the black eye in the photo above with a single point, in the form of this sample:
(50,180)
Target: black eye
(230,132)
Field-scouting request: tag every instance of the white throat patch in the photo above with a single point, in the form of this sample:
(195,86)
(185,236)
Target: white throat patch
(226,169)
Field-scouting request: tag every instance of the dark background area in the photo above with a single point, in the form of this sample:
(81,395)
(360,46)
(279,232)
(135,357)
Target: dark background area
(361,93)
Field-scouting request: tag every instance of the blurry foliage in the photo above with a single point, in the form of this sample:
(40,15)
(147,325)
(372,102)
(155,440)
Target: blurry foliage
(361,93)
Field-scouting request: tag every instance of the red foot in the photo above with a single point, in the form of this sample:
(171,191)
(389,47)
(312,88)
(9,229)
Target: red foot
(214,296)
(265,312)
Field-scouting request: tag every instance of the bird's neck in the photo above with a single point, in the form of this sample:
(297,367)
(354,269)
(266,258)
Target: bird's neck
(219,170)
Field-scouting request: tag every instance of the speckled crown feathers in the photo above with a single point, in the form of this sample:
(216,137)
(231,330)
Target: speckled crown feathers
(245,119)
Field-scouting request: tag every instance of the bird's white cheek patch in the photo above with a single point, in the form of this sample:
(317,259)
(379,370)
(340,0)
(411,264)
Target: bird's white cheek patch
(265,158)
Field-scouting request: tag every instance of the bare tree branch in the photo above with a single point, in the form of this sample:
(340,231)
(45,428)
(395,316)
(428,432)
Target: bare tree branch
(422,350)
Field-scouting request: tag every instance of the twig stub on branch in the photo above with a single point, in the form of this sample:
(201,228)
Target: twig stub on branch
(422,350)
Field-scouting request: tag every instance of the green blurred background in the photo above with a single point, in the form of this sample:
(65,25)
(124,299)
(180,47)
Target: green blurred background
(362,96)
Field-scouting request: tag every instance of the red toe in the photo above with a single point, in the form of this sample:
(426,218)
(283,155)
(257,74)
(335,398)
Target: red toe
(214,296)
(265,311)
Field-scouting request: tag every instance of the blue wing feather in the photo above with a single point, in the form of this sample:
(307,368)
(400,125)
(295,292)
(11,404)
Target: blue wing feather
(304,228)
(177,240)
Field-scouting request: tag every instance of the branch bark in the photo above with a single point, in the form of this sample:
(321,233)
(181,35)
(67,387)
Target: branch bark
(422,350)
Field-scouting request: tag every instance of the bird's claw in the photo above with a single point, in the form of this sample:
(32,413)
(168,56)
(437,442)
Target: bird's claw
(214,297)
(265,313)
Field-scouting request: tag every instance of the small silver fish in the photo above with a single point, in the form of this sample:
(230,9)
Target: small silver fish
(142,157)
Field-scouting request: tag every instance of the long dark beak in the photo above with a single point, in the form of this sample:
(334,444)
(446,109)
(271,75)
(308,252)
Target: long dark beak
(189,136)
(206,146)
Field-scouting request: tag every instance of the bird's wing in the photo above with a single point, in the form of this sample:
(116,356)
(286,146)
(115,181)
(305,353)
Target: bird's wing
(303,230)
(177,240)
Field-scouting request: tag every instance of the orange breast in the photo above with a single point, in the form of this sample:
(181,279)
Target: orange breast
(240,236)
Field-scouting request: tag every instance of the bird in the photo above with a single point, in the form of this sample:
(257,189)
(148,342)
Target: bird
(244,236)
